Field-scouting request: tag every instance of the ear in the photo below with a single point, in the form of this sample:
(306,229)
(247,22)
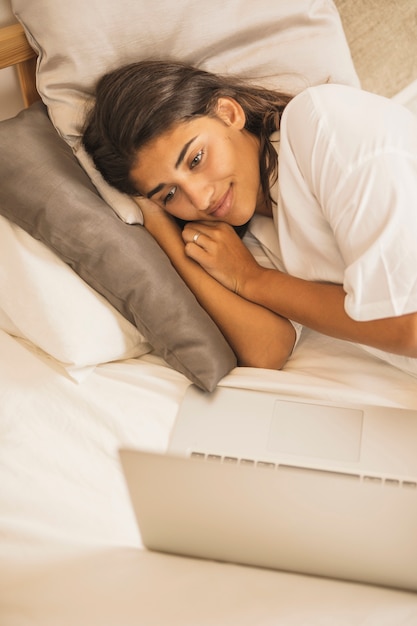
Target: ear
(230,112)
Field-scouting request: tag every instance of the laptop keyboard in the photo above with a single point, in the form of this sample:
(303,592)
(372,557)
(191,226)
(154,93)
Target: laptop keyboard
(232,460)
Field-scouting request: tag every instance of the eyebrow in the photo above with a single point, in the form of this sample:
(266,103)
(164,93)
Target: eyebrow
(155,190)
(184,152)
(177,164)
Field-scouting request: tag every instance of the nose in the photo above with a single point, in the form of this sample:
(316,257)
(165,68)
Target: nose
(199,192)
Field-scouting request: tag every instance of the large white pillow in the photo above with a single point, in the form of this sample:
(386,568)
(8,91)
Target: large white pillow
(288,44)
(44,301)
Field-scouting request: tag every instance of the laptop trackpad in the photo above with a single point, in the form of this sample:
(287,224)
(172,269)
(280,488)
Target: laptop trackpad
(319,431)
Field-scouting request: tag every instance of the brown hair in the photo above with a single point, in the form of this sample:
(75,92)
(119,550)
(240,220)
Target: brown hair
(136,103)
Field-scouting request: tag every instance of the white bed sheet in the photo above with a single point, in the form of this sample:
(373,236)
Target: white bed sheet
(70,552)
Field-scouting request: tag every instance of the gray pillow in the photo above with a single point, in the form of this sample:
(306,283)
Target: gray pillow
(46,192)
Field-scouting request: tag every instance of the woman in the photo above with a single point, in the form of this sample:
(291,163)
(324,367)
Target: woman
(200,147)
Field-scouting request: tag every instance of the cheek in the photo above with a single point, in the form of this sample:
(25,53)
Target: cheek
(226,162)
(239,159)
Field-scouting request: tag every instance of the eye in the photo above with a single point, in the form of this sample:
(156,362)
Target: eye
(170,195)
(197,159)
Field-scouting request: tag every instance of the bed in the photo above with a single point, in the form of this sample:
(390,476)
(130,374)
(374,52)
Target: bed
(97,349)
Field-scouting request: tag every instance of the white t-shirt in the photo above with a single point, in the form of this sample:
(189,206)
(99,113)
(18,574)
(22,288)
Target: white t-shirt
(347,207)
(347,199)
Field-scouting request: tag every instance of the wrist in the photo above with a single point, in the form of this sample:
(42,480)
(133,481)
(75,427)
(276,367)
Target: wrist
(255,284)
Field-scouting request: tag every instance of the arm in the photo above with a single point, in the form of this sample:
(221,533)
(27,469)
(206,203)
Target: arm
(318,306)
(321,307)
(259,337)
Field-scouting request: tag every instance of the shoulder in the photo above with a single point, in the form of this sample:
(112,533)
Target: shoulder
(334,104)
(353,124)
(329,96)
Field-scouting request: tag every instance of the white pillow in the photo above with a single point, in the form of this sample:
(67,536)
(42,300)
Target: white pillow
(288,44)
(44,301)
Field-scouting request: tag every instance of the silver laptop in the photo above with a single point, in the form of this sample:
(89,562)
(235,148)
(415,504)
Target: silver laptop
(253,477)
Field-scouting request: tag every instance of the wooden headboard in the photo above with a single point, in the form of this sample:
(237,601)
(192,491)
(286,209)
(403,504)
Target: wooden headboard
(15,50)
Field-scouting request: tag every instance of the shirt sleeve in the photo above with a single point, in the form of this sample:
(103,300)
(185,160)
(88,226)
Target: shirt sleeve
(355,154)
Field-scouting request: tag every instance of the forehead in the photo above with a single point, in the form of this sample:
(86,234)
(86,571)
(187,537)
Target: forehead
(160,155)
(177,133)
(167,142)
(169,138)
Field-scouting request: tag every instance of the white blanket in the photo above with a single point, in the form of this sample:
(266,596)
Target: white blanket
(70,552)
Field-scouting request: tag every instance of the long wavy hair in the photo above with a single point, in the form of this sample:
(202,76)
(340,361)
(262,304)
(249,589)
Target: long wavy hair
(138,102)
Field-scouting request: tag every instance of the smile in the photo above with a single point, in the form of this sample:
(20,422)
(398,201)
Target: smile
(223,206)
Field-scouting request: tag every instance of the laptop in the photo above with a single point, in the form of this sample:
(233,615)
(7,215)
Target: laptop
(261,479)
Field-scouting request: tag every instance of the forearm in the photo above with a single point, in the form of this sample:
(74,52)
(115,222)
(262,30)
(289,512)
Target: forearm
(320,306)
(258,336)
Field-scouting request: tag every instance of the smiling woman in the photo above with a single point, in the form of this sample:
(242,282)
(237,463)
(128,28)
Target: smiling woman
(140,102)
(185,153)
(209,167)
(202,148)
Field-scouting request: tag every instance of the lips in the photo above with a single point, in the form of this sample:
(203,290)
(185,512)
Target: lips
(223,206)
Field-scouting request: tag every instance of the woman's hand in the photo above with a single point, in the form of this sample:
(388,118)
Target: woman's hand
(219,250)
(154,217)
(258,337)
(163,228)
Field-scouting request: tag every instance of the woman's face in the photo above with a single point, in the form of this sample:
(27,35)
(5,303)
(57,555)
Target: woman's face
(204,169)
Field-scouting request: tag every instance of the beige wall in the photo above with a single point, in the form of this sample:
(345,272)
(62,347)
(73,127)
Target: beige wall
(10,100)
(382,36)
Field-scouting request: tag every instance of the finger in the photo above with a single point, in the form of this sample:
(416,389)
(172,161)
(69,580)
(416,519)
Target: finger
(197,253)
(192,228)
(193,236)
(196,237)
